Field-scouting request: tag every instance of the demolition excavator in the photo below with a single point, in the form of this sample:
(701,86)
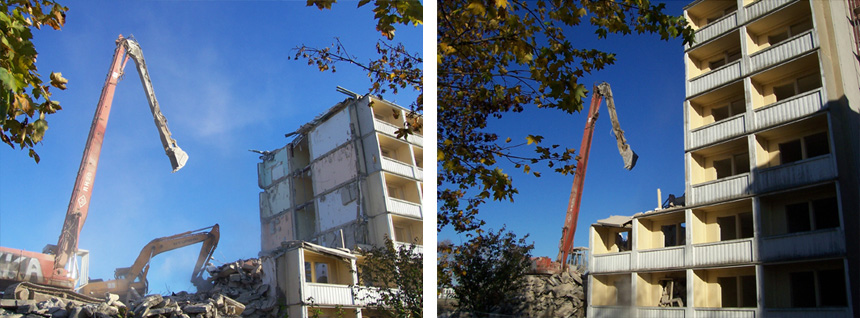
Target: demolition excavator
(543,264)
(56,271)
(134,277)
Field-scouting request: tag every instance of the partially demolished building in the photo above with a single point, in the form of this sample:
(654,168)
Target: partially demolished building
(345,181)
(770,225)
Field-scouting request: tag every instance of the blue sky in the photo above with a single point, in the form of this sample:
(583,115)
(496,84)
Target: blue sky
(647,81)
(223,80)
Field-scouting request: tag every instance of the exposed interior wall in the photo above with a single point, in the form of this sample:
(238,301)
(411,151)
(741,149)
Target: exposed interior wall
(607,289)
(708,289)
(273,170)
(649,289)
(769,155)
(276,230)
(608,239)
(778,283)
(331,133)
(339,270)
(337,207)
(706,228)
(407,230)
(651,233)
(275,199)
(306,222)
(299,154)
(334,169)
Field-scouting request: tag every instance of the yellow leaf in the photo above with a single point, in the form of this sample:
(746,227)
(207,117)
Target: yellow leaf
(440,155)
(477,8)
(502,3)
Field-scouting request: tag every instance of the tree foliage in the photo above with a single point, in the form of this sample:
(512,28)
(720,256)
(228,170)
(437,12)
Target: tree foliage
(24,96)
(485,271)
(399,269)
(497,57)
(394,69)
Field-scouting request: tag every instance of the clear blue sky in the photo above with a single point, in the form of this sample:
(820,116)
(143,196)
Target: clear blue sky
(647,81)
(222,78)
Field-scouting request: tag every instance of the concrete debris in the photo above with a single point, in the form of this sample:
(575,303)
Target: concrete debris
(616,221)
(237,290)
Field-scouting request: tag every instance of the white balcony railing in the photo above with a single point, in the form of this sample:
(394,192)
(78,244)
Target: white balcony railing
(715,28)
(661,258)
(398,167)
(403,207)
(418,248)
(795,174)
(807,312)
(802,245)
(721,189)
(725,252)
(724,312)
(391,130)
(761,7)
(329,294)
(661,312)
(419,173)
(717,131)
(611,262)
(788,49)
(715,78)
(611,311)
(784,111)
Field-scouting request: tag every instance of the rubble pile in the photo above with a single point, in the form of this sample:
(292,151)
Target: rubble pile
(559,295)
(237,290)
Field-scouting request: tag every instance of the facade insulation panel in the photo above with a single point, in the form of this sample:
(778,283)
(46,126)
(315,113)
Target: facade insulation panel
(788,110)
(760,8)
(272,170)
(334,211)
(715,78)
(276,199)
(718,131)
(331,133)
(671,257)
(276,230)
(334,169)
(773,55)
(721,189)
(716,28)
(719,253)
(612,262)
(795,174)
(803,245)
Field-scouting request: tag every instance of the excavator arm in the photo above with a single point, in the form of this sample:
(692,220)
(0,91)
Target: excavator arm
(135,276)
(600,91)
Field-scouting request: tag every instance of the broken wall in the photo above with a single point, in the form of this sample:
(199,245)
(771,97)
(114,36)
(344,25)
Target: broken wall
(331,133)
(273,169)
(276,230)
(334,169)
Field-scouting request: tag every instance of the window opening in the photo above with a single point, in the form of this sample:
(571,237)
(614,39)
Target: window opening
(321,271)
(826,213)
(790,151)
(797,216)
(309,274)
(802,289)
(723,168)
(832,288)
(728,291)
(816,145)
(746,225)
(728,228)
(748,297)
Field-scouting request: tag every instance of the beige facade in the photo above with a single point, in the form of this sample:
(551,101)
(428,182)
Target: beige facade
(771,221)
(344,181)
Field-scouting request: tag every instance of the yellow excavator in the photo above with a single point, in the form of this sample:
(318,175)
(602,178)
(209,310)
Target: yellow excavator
(134,277)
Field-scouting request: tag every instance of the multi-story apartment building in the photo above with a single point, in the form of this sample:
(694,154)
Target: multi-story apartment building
(344,182)
(771,222)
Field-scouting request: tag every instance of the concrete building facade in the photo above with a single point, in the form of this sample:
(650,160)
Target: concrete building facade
(344,182)
(771,221)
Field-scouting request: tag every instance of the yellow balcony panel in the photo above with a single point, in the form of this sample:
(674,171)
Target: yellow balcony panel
(711,18)
(722,222)
(785,81)
(732,287)
(654,289)
(611,290)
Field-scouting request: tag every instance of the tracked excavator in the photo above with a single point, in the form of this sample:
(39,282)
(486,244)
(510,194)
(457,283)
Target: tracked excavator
(134,277)
(55,272)
(543,264)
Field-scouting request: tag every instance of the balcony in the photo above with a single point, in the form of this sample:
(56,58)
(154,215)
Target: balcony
(661,258)
(403,207)
(795,174)
(391,130)
(418,248)
(725,252)
(401,168)
(611,311)
(796,107)
(715,28)
(661,312)
(717,131)
(715,78)
(784,51)
(721,189)
(807,312)
(329,294)
(724,312)
(611,262)
(762,7)
(803,245)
